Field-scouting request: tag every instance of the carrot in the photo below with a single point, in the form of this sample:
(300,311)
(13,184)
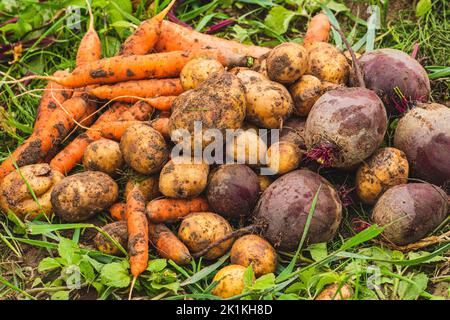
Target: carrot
(146,35)
(138,233)
(168,245)
(72,154)
(115,130)
(49,136)
(139,111)
(318,29)
(118,211)
(90,48)
(171,210)
(132,90)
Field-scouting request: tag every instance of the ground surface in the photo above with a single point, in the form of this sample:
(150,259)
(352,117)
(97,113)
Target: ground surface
(34,266)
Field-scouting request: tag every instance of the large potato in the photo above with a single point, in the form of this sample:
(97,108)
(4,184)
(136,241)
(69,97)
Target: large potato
(181,177)
(327,63)
(118,231)
(144,149)
(198,70)
(287,62)
(82,195)
(200,229)
(247,147)
(305,93)
(15,195)
(103,155)
(149,186)
(231,281)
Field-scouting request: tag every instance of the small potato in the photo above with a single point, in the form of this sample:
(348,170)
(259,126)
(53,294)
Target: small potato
(144,149)
(116,230)
(103,155)
(335,292)
(247,147)
(149,186)
(388,167)
(231,281)
(15,195)
(327,63)
(283,156)
(305,93)
(198,70)
(264,182)
(287,62)
(255,251)
(80,196)
(200,229)
(181,177)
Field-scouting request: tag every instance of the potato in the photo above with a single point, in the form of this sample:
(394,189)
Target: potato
(16,196)
(386,168)
(255,251)
(144,149)
(198,70)
(283,156)
(80,196)
(305,93)
(327,63)
(218,103)
(233,191)
(284,207)
(264,182)
(103,155)
(247,147)
(149,186)
(287,62)
(231,281)
(118,231)
(200,229)
(181,177)
(410,211)
(335,291)
(294,131)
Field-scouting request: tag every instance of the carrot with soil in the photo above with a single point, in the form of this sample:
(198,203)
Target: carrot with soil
(90,48)
(318,29)
(168,245)
(171,210)
(118,211)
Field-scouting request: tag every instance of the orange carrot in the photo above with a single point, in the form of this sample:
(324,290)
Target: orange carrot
(175,37)
(115,130)
(138,236)
(90,48)
(171,210)
(140,111)
(133,90)
(318,29)
(146,35)
(118,211)
(168,245)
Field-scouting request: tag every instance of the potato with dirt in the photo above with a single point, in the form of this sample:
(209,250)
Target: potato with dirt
(287,62)
(183,177)
(386,168)
(218,103)
(345,126)
(409,212)
(118,231)
(254,250)
(247,147)
(231,281)
(103,155)
(283,157)
(144,149)
(305,93)
(196,71)
(233,191)
(15,194)
(327,63)
(81,196)
(200,229)
(284,206)
(335,291)
(264,182)
(148,185)
(424,135)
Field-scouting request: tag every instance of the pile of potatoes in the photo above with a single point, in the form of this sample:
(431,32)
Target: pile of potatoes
(300,90)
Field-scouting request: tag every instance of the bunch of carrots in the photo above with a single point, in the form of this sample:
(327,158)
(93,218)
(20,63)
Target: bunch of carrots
(135,83)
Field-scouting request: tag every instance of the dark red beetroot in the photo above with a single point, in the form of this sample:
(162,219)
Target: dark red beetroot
(233,191)
(285,205)
(345,126)
(410,211)
(294,131)
(424,135)
(386,69)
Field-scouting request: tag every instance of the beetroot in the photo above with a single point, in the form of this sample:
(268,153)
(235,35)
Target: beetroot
(233,191)
(424,135)
(410,211)
(345,126)
(284,207)
(386,69)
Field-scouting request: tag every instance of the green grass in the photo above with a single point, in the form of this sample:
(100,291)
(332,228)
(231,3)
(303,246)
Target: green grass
(38,259)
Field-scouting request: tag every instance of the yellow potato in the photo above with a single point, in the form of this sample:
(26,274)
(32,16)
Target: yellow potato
(118,231)
(335,292)
(264,182)
(283,156)
(198,70)
(247,147)
(231,281)
(327,63)
(388,167)
(287,62)
(305,93)
(149,186)
(103,155)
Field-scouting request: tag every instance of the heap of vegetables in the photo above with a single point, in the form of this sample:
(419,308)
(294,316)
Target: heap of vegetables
(301,89)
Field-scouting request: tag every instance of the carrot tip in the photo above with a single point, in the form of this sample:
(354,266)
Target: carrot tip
(133,282)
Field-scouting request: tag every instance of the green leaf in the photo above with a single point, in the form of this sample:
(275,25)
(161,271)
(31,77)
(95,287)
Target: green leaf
(422,8)
(249,276)
(264,282)
(288,296)
(364,236)
(157,265)
(47,264)
(66,250)
(115,275)
(278,19)
(174,286)
(337,7)
(60,295)
(318,251)
(411,291)
(87,271)
(205,271)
